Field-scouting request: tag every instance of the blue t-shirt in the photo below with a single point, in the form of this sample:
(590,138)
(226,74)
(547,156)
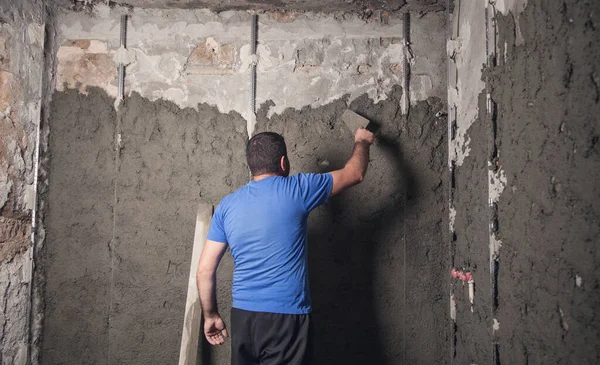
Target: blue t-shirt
(264,224)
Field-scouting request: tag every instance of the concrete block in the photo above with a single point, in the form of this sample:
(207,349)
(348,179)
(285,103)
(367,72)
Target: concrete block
(210,58)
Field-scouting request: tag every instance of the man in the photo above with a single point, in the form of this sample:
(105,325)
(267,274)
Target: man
(264,224)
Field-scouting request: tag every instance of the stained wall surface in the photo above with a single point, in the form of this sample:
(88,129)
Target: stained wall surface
(178,140)
(523,216)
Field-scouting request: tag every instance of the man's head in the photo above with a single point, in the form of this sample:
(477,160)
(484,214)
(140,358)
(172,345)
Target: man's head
(266,154)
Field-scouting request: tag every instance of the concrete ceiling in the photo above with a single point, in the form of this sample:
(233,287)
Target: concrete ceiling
(282,5)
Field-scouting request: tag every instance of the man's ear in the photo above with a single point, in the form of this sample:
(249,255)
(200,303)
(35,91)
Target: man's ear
(284,165)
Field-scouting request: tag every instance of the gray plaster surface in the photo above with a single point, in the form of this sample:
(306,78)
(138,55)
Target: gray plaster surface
(549,217)
(363,244)
(470,246)
(80,229)
(122,225)
(367,244)
(538,143)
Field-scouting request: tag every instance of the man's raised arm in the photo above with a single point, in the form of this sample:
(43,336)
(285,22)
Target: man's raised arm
(355,169)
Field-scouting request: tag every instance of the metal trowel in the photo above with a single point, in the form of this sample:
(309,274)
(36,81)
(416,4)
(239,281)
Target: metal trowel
(354,121)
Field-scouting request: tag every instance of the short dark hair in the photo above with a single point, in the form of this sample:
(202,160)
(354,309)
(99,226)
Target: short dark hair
(263,153)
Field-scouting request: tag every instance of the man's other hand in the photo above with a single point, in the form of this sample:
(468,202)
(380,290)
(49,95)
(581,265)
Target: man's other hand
(214,330)
(363,135)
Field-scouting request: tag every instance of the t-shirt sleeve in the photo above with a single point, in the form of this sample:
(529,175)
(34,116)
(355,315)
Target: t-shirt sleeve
(315,189)
(216,232)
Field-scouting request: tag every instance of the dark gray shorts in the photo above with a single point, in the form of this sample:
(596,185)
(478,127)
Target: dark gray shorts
(270,338)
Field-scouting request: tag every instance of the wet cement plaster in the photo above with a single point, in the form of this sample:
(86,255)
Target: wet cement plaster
(374,251)
(122,227)
(534,155)
(471,339)
(546,87)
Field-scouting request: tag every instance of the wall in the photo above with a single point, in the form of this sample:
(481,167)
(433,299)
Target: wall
(376,276)
(523,205)
(125,182)
(22,79)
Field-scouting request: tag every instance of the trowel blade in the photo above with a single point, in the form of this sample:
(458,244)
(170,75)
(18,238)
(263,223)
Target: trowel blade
(354,121)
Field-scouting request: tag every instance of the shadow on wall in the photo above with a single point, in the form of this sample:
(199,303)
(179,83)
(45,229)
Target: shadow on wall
(358,241)
(343,253)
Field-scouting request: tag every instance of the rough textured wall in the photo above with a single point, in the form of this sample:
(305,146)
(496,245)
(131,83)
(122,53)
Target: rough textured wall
(471,333)
(171,157)
(124,189)
(546,87)
(375,250)
(80,228)
(22,60)
(524,217)
(195,56)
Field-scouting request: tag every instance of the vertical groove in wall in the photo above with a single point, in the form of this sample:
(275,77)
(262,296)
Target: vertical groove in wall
(38,280)
(493,166)
(451,120)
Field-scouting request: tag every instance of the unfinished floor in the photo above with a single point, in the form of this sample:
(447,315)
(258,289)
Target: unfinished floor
(486,163)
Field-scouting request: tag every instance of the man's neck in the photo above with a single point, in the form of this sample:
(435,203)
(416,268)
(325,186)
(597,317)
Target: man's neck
(263,176)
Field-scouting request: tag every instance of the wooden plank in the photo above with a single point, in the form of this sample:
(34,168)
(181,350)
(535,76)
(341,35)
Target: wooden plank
(193,311)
